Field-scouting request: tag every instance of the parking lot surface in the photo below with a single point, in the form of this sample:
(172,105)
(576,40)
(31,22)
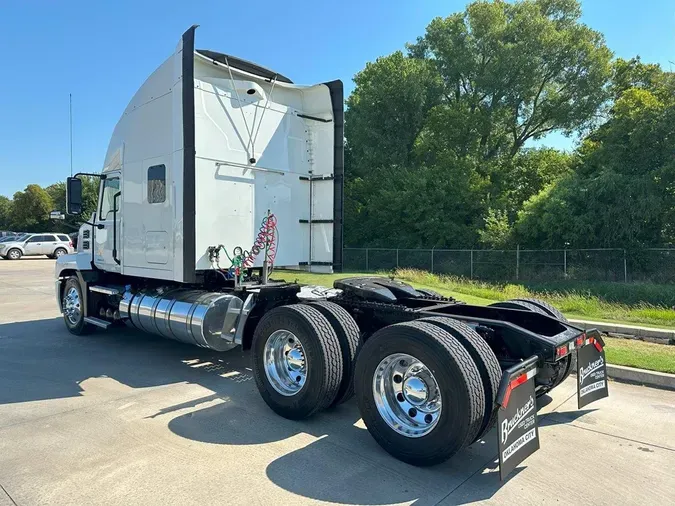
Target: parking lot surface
(120,417)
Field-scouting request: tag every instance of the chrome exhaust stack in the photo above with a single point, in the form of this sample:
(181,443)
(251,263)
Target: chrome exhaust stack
(197,317)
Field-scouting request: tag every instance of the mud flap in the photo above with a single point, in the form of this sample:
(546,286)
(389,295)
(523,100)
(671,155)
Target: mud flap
(591,369)
(517,431)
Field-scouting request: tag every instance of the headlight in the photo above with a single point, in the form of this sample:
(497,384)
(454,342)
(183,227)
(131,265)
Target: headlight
(2,246)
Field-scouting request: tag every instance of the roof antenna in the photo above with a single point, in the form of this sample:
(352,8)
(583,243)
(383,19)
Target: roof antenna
(70,97)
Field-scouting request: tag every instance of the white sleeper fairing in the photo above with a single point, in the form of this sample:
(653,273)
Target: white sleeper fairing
(205,149)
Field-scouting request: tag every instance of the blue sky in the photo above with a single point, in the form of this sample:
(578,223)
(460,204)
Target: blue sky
(101,52)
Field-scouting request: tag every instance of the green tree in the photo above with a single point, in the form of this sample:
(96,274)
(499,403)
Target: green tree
(516,71)
(387,110)
(514,180)
(5,213)
(627,74)
(621,192)
(462,105)
(31,208)
(420,207)
(57,192)
(496,230)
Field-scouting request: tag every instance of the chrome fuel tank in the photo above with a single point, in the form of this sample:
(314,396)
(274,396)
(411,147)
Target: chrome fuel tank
(205,319)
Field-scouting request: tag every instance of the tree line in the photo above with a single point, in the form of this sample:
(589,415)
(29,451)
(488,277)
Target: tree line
(28,210)
(439,138)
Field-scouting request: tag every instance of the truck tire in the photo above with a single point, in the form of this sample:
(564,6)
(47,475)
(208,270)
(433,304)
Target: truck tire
(14,254)
(419,392)
(520,304)
(546,307)
(297,362)
(485,360)
(555,313)
(72,303)
(349,336)
(541,307)
(430,293)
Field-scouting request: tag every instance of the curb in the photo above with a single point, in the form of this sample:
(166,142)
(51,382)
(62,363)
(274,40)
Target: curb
(654,335)
(652,379)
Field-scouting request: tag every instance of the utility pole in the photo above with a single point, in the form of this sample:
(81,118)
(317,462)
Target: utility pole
(70,98)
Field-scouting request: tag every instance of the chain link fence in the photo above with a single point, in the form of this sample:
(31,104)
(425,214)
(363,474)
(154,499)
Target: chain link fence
(614,265)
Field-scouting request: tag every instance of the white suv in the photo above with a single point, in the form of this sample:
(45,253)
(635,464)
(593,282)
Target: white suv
(52,245)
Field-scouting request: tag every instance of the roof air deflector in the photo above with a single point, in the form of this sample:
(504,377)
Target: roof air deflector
(246,66)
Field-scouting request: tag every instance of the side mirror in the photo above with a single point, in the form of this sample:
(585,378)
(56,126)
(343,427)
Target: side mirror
(73,195)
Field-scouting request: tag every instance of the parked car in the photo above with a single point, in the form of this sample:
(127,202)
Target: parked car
(15,238)
(52,245)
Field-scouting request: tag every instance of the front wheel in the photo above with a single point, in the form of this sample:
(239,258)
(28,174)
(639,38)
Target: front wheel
(419,392)
(72,305)
(14,254)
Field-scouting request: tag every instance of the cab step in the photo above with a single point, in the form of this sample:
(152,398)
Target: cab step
(97,322)
(107,290)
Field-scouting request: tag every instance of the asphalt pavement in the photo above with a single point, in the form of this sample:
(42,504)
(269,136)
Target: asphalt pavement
(120,417)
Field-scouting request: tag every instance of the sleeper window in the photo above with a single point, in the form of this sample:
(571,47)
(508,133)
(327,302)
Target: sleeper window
(156,184)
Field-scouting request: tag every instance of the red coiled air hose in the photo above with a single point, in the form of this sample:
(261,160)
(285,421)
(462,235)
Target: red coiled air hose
(266,240)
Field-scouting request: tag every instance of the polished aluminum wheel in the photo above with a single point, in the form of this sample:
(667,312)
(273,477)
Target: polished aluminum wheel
(71,306)
(407,395)
(14,254)
(285,362)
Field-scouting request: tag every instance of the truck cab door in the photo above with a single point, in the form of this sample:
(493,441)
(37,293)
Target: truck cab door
(108,244)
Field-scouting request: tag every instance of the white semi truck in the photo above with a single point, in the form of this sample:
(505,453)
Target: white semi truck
(220,171)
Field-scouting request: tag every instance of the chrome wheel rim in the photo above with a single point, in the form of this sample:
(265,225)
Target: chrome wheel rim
(285,362)
(60,253)
(407,395)
(71,306)
(14,254)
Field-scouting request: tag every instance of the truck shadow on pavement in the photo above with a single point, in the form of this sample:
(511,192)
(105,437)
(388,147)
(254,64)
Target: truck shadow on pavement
(337,461)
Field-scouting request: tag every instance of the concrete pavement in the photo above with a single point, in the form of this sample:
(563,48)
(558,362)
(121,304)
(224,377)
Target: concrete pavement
(125,418)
